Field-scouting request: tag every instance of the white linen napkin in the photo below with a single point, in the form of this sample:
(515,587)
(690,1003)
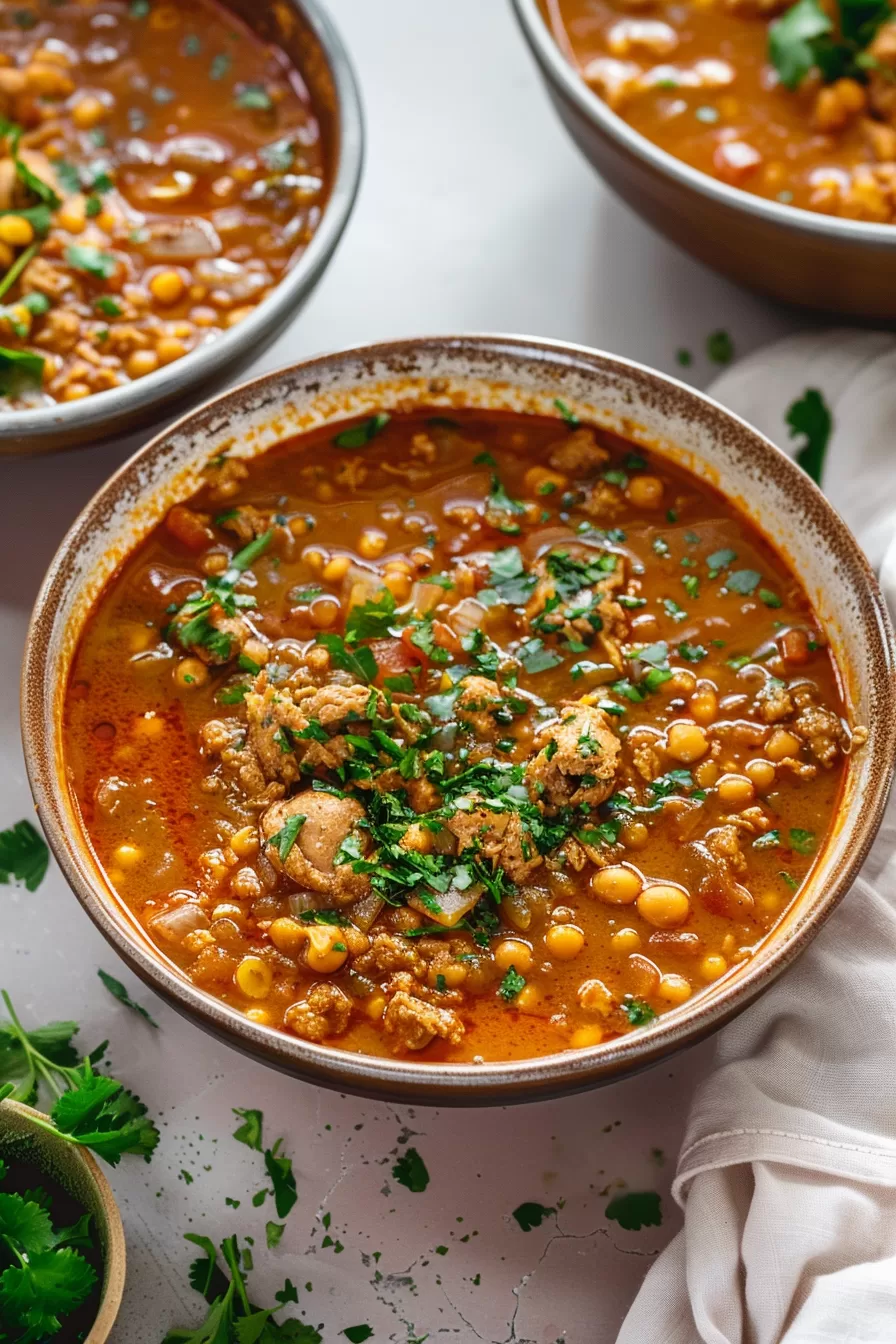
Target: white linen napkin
(787,1175)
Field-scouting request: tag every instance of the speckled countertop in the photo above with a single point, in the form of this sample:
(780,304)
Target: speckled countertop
(476,213)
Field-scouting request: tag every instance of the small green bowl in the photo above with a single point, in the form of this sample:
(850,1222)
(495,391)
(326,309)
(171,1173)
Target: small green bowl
(76,1171)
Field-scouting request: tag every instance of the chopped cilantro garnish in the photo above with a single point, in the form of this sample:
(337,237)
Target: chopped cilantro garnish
(804,842)
(571,419)
(511,985)
(743,581)
(360,435)
(284,839)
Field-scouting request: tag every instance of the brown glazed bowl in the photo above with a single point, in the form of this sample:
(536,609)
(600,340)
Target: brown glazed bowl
(77,1172)
(842,266)
(498,373)
(304,31)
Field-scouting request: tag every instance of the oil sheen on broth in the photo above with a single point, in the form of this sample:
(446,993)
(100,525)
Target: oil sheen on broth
(467,737)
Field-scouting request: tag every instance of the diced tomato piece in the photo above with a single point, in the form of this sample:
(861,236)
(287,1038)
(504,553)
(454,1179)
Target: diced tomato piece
(394,656)
(189,528)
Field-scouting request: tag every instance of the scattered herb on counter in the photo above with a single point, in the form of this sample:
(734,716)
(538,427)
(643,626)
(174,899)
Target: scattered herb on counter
(279,1168)
(356,1334)
(24,855)
(531,1214)
(637,1209)
(232,1316)
(810,417)
(273,1233)
(410,1171)
(684,358)
(90,1109)
(117,989)
(249,1132)
(720,347)
(47,1284)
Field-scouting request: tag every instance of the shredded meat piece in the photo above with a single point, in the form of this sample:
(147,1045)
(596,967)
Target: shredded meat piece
(54,281)
(774,702)
(724,842)
(61,331)
(278,715)
(390,952)
(604,501)
(413,1024)
(578,454)
(646,760)
(711,866)
(246,523)
(478,698)
(351,473)
(498,836)
(325,1011)
(580,767)
(311,860)
(591,610)
(823,733)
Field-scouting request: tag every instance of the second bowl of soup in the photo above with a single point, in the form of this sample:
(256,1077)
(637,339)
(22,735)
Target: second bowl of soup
(446,725)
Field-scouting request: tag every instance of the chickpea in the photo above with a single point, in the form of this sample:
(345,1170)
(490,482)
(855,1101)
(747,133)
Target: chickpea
(564,941)
(594,997)
(736,791)
(142,362)
(513,952)
(170,348)
(244,843)
(75,392)
(761,775)
(16,230)
(325,612)
(782,744)
(704,706)
(399,585)
(529,999)
(453,972)
(128,856)
(582,1037)
(372,543)
(229,910)
(634,835)
(664,906)
(674,988)
(541,481)
(375,1006)
(625,940)
(246,883)
(315,559)
(686,742)
(253,978)
(148,725)
(645,492)
(711,967)
(88,112)
(288,935)
(260,1016)
(336,569)
(167,286)
(617,884)
(191,673)
(417,839)
(326,950)
(706,774)
(682,682)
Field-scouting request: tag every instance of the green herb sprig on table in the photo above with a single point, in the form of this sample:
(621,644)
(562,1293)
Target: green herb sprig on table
(89,1109)
(232,1317)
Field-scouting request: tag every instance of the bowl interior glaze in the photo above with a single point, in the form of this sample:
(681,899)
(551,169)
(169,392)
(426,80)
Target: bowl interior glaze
(496,373)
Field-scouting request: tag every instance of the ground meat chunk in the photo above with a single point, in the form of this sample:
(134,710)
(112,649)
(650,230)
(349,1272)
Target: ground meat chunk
(48,278)
(604,501)
(823,733)
(325,1011)
(278,715)
(310,862)
(558,606)
(498,836)
(390,952)
(412,1024)
(774,702)
(479,698)
(246,523)
(577,759)
(578,454)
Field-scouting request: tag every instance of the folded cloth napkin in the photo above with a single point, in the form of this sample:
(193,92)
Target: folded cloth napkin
(787,1175)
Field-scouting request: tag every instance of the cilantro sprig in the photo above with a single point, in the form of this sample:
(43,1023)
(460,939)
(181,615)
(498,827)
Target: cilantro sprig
(90,1109)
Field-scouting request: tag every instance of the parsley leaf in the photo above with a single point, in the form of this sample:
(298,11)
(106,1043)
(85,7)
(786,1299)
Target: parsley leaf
(743,581)
(636,1209)
(371,620)
(637,1011)
(511,985)
(284,839)
(361,663)
(792,40)
(85,257)
(19,368)
(720,347)
(810,417)
(360,435)
(804,842)
(23,855)
(249,1132)
(531,1214)
(571,419)
(283,1180)
(410,1171)
(117,989)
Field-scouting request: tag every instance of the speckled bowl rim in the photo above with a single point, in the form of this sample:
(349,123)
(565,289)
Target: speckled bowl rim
(593,108)
(256,330)
(114,1252)
(519,1080)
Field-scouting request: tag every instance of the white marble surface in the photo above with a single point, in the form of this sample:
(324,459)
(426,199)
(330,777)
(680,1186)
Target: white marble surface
(475,214)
